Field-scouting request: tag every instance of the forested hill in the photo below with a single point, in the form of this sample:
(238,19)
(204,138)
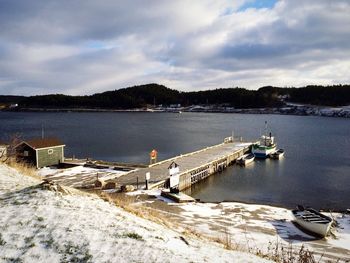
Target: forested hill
(154,94)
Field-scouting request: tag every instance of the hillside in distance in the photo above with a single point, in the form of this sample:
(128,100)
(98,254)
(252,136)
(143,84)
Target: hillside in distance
(155,94)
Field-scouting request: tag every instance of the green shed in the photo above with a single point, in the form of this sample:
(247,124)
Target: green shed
(41,152)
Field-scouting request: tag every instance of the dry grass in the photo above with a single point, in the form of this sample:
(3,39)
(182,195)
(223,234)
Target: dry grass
(288,253)
(228,242)
(23,168)
(132,205)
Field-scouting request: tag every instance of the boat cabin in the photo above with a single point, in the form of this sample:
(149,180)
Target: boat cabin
(267,140)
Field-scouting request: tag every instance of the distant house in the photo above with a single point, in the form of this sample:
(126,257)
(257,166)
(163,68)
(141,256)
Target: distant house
(41,152)
(12,106)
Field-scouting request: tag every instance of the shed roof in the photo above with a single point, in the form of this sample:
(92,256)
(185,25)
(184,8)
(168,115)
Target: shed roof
(40,143)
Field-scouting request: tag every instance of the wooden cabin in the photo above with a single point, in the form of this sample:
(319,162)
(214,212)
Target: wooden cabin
(41,152)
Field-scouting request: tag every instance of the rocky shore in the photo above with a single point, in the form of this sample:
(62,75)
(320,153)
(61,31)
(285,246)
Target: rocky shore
(289,109)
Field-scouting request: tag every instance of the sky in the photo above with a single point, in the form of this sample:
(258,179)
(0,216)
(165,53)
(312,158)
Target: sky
(82,47)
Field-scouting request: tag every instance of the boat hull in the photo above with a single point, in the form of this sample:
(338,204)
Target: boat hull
(246,159)
(320,226)
(246,162)
(278,154)
(263,151)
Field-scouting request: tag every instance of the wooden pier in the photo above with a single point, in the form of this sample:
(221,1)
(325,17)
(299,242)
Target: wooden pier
(194,166)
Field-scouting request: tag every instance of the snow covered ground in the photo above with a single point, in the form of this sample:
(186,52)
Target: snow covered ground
(255,227)
(343,111)
(78,176)
(44,226)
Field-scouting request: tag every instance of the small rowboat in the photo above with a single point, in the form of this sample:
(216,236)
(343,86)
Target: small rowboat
(312,220)
(277,154)
(246,159)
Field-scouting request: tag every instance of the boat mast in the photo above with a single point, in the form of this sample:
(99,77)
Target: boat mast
(265,132)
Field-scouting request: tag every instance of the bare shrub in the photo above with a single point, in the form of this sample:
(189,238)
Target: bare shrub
(10,151)
(227,241)
(9,157)
(288,253)
(3,154)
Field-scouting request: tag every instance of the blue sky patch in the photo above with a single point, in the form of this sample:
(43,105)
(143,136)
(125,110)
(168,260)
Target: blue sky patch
(96,45)
(258,4)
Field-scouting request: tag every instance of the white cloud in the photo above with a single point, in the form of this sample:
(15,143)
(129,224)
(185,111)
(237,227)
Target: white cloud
(84,47)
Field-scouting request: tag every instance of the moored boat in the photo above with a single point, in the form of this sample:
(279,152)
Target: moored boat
(246,159)
(312,220)
(277,154)
(266,147)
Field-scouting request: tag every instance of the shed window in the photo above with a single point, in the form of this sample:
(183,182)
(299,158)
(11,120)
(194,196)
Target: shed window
(25,153)
(50,151)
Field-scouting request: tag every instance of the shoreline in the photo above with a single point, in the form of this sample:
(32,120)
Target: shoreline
(295,110)
(246,224)
(326,210)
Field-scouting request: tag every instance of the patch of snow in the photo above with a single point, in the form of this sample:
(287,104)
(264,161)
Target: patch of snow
(76,171)
(44,226)
(257,226)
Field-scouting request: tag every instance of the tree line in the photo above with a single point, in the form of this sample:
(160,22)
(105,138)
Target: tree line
(155,94)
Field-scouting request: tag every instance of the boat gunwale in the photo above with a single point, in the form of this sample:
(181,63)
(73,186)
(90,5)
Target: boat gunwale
(313,214)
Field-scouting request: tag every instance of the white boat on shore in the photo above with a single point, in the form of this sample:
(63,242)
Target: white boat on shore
(277,154)
(312,220)
(246,159)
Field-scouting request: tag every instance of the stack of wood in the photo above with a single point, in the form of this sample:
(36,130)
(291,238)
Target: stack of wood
(104,185)
(127,188)
(53,186)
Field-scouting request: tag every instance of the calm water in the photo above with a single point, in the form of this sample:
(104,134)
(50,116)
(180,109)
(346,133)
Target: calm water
(315,170)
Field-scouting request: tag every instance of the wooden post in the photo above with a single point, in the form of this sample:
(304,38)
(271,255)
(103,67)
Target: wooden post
(137,183)
(148,176)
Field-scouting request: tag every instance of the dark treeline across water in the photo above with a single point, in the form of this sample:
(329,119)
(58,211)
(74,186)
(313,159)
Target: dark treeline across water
(154,94)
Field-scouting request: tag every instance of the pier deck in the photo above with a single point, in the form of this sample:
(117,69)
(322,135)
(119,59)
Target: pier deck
(194,166)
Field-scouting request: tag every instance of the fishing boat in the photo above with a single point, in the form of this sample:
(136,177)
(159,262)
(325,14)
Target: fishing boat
(265,146)
(246,159)
(277,154)
(312,220)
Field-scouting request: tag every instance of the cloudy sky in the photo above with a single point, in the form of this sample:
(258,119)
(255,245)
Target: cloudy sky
(87,46)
